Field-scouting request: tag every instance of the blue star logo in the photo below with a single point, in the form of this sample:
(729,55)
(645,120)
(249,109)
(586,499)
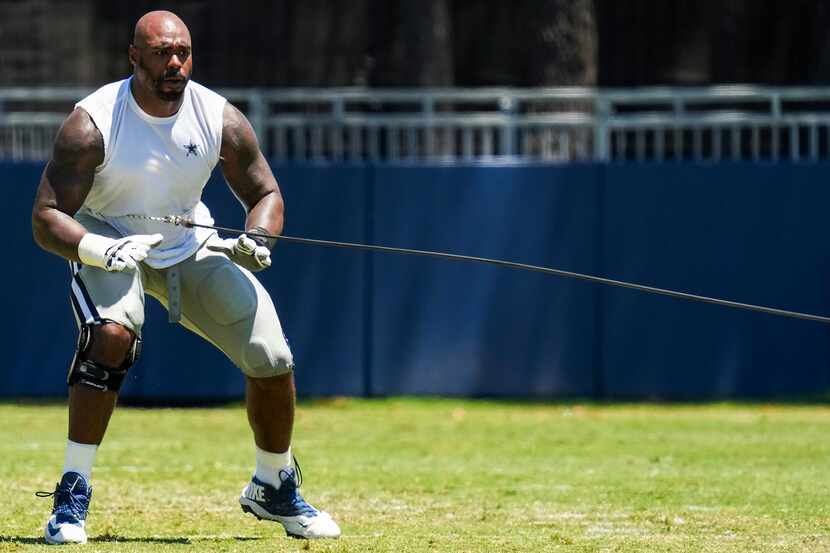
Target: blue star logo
(191,149)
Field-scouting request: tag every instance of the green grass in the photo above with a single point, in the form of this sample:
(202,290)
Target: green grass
(445,475)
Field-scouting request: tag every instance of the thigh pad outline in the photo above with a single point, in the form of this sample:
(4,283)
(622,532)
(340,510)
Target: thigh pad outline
(227,296)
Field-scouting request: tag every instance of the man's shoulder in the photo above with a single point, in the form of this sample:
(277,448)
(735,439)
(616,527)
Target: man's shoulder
(100,107)
(106,94)
(211,105)
(78,138)
(205,92)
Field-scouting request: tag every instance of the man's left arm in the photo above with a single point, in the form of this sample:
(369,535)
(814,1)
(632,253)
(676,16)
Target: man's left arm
(251,180)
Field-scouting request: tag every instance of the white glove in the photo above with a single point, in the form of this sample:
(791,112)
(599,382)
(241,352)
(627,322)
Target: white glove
(243,251)
(116,254)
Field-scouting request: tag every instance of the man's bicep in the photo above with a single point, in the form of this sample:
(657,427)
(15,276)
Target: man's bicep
(64,185)
(68,176)
(243,164)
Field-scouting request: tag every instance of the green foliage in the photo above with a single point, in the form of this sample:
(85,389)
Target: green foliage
(409,475)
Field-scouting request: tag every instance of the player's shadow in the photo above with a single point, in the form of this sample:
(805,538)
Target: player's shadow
(20,539)
(110,538)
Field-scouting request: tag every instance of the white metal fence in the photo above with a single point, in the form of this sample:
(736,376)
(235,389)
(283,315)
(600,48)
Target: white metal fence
(548,124)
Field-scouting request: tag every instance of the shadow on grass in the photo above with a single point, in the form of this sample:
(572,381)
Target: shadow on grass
(20,539)
(110,538)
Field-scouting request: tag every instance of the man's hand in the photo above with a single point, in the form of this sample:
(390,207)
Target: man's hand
(116,254)
(243,251)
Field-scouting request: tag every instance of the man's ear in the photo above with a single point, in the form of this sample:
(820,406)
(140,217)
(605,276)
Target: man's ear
(132,53)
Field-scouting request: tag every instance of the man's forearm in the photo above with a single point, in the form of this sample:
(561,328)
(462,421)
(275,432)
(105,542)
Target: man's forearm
(57,232)
(267,215)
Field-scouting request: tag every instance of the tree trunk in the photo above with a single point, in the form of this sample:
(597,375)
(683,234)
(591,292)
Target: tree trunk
(411,43)
(328,43)
(563,43)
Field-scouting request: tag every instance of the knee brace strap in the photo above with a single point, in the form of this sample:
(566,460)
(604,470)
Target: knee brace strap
(95,375)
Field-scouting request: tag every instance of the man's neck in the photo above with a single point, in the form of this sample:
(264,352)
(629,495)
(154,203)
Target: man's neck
(152,104)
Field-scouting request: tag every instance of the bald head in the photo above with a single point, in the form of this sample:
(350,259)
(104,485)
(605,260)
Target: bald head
(159,24)
(162,60)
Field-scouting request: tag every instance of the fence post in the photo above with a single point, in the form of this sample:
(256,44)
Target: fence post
(256,116)
(507,139)
(602,112)
(428,110)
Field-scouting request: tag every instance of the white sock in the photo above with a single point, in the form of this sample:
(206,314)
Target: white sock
(79,458)
(268,466)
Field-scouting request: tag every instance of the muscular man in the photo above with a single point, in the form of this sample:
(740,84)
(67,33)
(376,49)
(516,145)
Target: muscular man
(140,148)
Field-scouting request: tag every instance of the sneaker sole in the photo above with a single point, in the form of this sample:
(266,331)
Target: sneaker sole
(51,541)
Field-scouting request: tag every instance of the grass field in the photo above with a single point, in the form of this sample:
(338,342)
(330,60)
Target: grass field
(445,475)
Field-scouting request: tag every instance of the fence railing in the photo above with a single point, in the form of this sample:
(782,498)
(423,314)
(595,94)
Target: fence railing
(547,124)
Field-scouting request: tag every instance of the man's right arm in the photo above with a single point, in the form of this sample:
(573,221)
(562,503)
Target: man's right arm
(64,185)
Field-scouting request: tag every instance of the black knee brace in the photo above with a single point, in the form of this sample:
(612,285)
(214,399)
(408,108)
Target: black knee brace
(95,375)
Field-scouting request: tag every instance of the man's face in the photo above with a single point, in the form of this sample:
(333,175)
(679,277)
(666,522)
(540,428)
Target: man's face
(164,63)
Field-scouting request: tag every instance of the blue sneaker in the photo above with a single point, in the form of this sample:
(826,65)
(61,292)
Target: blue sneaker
(66,525)
(286,506)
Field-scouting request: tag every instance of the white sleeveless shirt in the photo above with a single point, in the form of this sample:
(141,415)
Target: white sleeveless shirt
(155,166)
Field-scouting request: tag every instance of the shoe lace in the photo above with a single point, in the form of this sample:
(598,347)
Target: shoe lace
(65,501)
(298,471)
(291,481)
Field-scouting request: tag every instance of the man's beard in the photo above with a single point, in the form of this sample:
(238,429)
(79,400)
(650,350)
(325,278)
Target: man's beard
(167,96)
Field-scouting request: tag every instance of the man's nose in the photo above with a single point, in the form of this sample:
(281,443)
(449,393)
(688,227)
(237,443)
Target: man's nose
(174,62)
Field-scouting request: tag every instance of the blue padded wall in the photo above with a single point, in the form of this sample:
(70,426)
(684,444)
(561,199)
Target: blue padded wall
(383,324)
(749,233)
(442,327)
